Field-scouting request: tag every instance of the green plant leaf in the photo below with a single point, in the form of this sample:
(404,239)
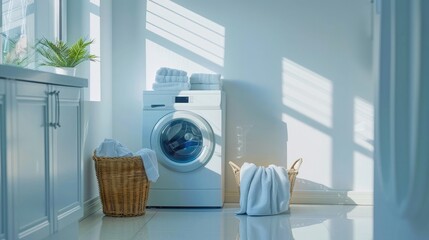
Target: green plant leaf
(59,54)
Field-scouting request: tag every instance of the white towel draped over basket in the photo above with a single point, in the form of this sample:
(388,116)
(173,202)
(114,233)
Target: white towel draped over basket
(265,190)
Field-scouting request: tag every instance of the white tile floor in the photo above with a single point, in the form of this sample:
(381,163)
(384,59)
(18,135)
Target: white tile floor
(330,222)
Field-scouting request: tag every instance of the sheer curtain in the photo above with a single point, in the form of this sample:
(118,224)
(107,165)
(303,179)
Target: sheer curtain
(402,115)
(22,24)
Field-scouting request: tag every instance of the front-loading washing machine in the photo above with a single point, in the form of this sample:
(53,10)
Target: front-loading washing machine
(186,129)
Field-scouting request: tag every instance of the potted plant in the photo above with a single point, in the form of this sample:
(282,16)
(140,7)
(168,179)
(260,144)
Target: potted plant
(59,54)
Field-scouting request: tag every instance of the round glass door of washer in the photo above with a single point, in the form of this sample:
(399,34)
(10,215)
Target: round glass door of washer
(184,141)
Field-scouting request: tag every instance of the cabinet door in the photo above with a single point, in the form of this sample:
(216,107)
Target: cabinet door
(66,145)
(31,164)
(3,189)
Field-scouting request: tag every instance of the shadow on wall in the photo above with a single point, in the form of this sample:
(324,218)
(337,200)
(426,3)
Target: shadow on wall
(254,133)
(308,190)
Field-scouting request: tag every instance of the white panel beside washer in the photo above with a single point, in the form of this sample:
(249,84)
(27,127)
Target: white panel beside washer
(181,124)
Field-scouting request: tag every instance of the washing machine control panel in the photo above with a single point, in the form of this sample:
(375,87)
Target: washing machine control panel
(208,99)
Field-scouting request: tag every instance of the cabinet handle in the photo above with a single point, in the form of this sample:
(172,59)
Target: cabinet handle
(57,105)
(52,124)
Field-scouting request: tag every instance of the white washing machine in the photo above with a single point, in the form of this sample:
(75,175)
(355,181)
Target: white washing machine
(186,130)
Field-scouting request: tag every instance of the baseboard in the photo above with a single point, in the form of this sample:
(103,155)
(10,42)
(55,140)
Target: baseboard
(332,197)
(232,197)
(91,206)
(320,197)
(299,197)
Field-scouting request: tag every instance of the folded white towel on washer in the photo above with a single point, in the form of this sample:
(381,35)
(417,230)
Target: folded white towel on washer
(263,190)
(169,79)
(164,71)
(179,86)
(203,86)
(205,78)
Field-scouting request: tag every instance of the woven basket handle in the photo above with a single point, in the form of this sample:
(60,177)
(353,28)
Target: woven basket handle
(296,165)
(236,171)
(94,156)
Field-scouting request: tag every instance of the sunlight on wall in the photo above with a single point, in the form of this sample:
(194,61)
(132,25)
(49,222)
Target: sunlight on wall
(158,56)
(307,92)
(362,161)
(308,98)
(95,2)
(364,123)
(186,29)
(95,48)
(314,146)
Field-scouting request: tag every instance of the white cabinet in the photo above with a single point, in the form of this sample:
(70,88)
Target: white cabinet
(67,167)
(29,158)
(43,159)
(3,194)
(66,155)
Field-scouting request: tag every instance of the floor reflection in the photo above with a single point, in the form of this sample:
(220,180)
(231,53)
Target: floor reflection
(265,227)
(322,222)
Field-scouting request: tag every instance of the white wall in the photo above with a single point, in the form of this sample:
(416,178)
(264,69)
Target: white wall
(298,79)
(128,71)
(92,19)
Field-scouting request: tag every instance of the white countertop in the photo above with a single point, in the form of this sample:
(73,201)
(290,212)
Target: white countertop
(10,72)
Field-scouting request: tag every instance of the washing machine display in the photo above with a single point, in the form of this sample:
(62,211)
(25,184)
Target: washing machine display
(184,141)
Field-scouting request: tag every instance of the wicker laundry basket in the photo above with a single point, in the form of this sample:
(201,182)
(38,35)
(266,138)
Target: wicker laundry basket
(292,172)
(123,185)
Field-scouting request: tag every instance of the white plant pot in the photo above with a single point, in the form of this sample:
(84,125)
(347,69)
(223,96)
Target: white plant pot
(69,71)
(65,71)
